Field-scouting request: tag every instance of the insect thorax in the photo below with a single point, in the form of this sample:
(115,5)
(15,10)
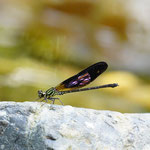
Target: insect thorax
(52,92)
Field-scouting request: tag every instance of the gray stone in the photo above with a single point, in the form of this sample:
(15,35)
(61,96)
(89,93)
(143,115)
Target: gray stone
(41,126)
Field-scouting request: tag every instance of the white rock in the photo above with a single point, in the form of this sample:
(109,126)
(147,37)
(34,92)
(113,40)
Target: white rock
(38,126)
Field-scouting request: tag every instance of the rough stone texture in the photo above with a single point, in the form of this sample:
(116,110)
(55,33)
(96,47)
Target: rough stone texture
(40,126)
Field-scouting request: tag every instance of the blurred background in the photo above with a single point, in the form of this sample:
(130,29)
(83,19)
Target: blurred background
(44,42)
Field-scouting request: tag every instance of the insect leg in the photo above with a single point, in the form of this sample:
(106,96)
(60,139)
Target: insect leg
(53,100)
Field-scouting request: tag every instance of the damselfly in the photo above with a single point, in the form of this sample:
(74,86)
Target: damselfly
(76,82)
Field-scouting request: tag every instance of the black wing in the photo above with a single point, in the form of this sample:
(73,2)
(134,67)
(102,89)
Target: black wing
(83,78)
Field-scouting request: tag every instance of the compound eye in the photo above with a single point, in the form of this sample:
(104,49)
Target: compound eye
(40,94)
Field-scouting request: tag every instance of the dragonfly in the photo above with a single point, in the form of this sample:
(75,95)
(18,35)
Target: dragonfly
(76,82)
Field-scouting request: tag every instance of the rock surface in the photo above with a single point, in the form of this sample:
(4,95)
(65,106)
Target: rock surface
(40,126)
